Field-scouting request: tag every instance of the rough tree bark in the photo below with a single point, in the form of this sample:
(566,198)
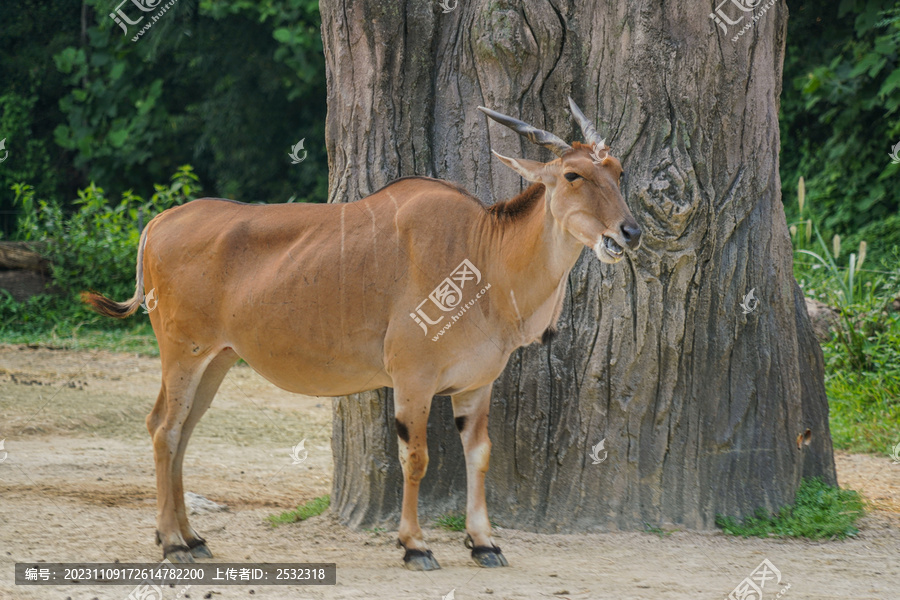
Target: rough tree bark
(700,405)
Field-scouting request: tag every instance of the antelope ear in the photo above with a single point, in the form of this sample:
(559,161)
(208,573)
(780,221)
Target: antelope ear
(529,169)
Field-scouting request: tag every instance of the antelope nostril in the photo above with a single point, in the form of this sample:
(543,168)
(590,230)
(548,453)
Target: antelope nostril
(632,235)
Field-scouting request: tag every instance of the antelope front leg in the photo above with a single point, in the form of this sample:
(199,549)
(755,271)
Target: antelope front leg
(411,412)
(470,410)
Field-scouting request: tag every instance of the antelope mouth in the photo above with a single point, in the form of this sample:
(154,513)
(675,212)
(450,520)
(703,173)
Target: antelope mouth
(608,250)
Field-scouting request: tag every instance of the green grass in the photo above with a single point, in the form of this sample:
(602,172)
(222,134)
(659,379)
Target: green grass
(312,508)
(451,522)
(138,339)
(60,322)
(819,511)
(658,530)
(864,411)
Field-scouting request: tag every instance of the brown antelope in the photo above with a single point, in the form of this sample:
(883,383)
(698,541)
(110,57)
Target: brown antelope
(332,299)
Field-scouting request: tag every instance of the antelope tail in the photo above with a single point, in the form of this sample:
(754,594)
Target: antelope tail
(120,310)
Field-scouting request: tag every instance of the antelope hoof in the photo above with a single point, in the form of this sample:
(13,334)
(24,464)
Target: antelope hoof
(178,554)
(418,560)
(200,550)
(488,557)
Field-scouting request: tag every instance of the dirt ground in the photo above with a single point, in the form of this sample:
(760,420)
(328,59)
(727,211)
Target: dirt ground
(78,485)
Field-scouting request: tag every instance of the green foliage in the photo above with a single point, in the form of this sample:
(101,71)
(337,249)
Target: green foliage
(94,247)
(862,359)
(840,114)
(116,119)
(228,86)
(866,339)
(819,511)
(30,33)
(305,511)
(868,336)
(882,235)
(28,157)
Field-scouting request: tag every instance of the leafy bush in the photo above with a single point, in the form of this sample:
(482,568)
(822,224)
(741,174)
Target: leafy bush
(229,86)
(882,236)
(840,112)
(819,511)
(29,156)
(95,247)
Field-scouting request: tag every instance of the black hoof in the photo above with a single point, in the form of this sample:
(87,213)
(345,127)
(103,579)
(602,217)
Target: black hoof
(178,554)
(419,560)
(485,556)
(199,549)
(488,557)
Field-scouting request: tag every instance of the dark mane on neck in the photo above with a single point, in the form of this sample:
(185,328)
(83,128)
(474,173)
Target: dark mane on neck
(521,205)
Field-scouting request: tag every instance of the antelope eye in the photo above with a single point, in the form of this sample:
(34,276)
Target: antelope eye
(621,179)
(570,177)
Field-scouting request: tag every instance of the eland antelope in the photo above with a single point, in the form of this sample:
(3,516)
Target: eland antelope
(332,299)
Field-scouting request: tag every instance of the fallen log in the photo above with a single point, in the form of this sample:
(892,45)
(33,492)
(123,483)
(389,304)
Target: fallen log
(23,255)
(22,284)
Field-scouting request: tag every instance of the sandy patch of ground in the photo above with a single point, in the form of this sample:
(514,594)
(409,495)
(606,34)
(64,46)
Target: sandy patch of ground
(78,485)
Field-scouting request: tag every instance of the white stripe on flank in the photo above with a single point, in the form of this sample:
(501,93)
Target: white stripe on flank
(512,295)
(374,236)
(396,211)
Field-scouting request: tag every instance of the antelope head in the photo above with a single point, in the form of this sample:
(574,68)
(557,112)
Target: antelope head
(583,184)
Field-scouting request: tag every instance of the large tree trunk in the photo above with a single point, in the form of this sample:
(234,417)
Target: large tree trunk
(699,404)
